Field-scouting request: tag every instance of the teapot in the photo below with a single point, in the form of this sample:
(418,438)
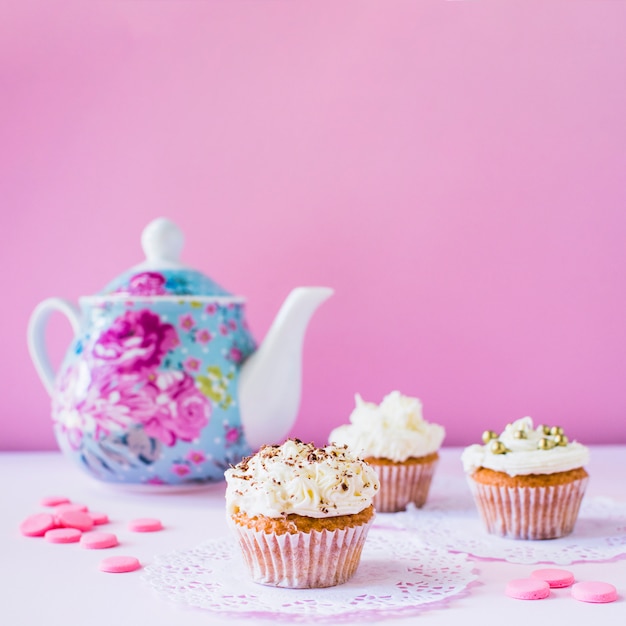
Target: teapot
(163,383)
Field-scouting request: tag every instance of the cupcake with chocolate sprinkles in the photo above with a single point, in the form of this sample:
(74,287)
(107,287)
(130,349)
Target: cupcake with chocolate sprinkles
(527,482)
(301,513)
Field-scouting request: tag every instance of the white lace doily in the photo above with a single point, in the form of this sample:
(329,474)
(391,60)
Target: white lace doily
(454,524)
(397,575)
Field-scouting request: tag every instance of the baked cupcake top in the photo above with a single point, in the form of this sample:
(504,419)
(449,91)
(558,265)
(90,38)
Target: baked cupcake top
(394,429)
(299,478)
(522,449)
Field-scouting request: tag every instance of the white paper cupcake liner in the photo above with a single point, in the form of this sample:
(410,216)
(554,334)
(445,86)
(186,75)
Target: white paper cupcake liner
(529,512)
(402,484)
(303,560)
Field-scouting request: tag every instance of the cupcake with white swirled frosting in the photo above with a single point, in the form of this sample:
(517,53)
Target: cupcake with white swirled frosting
(301,513)
(395,439)
(527,482)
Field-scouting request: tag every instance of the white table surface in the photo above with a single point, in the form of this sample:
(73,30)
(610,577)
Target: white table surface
(43,583)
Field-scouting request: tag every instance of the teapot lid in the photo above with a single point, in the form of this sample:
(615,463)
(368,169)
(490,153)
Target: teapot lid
(162,273)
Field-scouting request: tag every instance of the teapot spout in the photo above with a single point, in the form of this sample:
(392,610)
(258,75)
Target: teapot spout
(271,379)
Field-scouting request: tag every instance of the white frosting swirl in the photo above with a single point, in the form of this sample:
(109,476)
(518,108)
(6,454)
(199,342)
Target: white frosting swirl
(299,478)
(523,455)
(393,430)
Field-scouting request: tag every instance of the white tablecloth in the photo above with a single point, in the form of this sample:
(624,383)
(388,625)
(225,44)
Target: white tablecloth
(43,583)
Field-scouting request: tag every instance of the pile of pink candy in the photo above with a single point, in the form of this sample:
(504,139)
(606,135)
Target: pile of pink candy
(69,522)
(538,586)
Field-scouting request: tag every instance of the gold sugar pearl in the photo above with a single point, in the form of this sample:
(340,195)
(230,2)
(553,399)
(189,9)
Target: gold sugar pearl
(520,434)
(497,447)
(545,429)
(556,430)
(545,444)
(488,435)
(561,440)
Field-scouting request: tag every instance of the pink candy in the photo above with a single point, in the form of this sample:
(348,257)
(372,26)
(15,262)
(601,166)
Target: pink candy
(119,564)
(37,525)
(527,589)
(145,525)
(69,506)
(98,541)
(63,535)
(54,500)
(556,578)
(99,518)
(595,592)
(75,519)
(70,522)
(541,581)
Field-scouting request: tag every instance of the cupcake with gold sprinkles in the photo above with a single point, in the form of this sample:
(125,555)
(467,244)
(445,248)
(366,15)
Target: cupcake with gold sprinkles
(527,482)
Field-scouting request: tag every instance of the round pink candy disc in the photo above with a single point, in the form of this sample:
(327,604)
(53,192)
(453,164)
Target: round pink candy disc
(556,578)
(75,519)
(69,506)
(54,500)
(598,592)
(145,525)
(119,564)
(98,540)
(63,535)
(99,518)
(37,525)
(527,589)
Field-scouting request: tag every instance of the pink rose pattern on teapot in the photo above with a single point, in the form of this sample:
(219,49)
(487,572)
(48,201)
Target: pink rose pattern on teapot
(150,398)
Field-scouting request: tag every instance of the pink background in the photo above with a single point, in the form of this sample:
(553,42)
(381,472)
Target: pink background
(455,170)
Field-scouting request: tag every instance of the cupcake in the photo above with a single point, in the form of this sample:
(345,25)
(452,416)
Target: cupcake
(398,443)
(528,482)
(301,514)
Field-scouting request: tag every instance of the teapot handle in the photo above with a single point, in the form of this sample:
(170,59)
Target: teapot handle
(36,335)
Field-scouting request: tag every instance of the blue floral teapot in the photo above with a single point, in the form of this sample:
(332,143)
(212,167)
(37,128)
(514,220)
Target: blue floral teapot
(163,383)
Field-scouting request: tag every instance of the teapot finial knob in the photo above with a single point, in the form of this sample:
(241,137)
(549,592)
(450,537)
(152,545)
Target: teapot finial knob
(162,240)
